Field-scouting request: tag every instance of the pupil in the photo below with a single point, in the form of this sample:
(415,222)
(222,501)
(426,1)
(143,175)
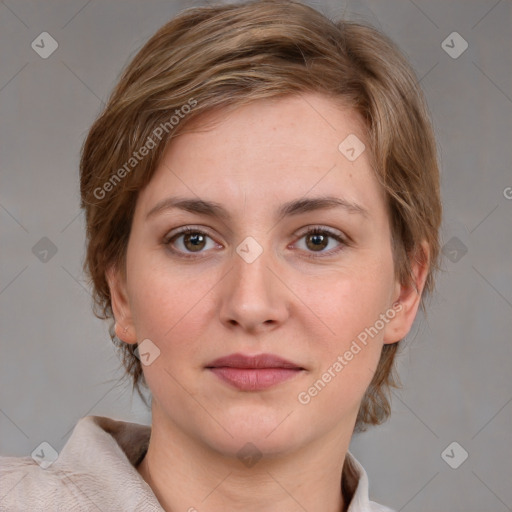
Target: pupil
(318,241)
(196,240)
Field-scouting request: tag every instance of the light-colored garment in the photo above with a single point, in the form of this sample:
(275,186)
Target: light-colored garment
(96,471)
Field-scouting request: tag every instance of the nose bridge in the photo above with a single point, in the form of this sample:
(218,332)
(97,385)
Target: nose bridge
(252,297)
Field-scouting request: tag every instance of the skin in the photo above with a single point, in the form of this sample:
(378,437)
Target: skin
(304,309)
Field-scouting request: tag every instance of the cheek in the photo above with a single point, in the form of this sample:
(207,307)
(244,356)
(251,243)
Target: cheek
(347,303)
(170,307)
(345,346)
(171,311)
(347,343)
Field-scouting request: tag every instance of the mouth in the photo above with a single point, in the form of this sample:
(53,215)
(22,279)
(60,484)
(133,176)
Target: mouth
(254,373)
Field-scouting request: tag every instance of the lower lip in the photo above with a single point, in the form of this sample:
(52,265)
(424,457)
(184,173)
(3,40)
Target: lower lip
(254,379)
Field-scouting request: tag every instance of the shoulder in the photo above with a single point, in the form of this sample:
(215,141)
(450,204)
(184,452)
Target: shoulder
(94,471)
(26,486)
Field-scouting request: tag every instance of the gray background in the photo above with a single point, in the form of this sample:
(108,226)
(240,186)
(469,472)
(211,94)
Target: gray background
(57,363)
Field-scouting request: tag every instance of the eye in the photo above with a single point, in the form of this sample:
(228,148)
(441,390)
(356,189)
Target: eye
(189,240)
(318,239)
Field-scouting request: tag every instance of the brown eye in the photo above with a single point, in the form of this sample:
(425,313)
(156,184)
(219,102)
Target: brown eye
(317,241)
(194,241)
(188,241)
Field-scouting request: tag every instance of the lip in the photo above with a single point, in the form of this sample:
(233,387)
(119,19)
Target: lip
(254,373)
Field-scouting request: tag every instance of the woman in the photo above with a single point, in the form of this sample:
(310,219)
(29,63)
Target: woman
(262,205)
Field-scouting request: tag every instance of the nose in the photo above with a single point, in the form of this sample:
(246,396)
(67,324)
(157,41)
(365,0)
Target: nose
(252,297)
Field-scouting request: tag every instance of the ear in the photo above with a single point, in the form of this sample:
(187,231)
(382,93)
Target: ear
(125,329)
(407,298)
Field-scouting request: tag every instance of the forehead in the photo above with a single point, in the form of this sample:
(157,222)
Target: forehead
(269,151)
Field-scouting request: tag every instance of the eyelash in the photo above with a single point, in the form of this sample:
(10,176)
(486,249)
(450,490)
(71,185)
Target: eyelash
(315,230)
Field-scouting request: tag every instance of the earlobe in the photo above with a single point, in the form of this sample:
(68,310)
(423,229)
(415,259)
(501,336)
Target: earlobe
(124,333)
(408,297)
(124,328)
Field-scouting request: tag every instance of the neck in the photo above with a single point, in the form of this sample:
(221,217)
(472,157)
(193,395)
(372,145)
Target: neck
(186,474)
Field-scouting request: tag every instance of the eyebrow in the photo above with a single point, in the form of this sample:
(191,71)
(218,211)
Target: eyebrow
(295,207)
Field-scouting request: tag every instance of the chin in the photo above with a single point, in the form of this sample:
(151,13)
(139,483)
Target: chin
(271,431)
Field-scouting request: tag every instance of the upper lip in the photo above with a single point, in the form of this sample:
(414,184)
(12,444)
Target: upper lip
(257,361)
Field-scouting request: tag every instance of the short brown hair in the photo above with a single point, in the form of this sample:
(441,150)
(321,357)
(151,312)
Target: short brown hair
(220,57)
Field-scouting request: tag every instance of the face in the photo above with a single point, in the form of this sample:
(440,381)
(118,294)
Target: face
(267,266)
